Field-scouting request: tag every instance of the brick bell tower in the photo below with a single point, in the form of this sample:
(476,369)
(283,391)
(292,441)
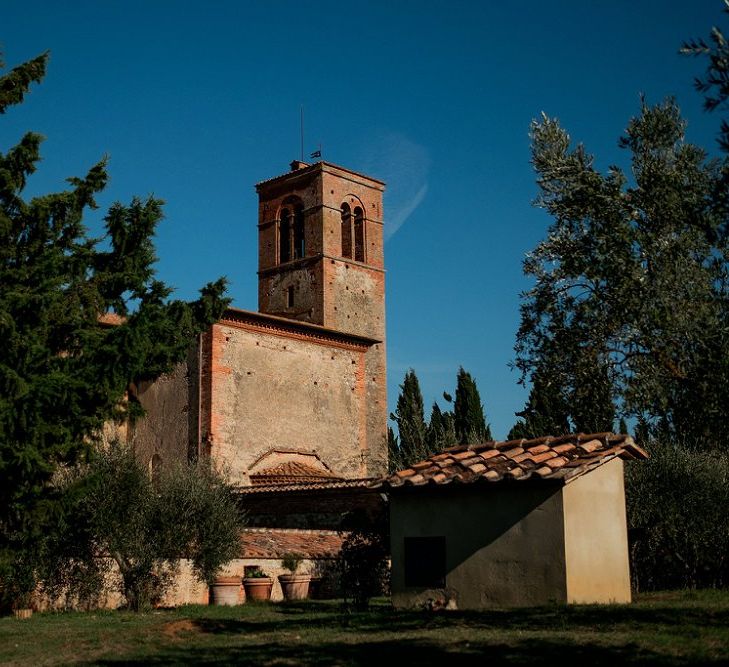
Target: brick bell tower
(320,260)
(320,249)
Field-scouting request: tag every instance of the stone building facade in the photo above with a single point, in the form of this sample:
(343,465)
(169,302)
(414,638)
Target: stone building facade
(304,378)
(289,400)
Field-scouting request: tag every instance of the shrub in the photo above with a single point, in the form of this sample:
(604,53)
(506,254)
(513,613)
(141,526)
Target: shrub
(677,516)
(364,557)
(291,562)
(145,526)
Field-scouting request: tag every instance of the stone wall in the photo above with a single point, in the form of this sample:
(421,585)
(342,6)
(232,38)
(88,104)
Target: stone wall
(270,387)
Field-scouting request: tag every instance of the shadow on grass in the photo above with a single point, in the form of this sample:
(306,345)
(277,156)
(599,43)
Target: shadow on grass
(311,615)
(413,653)
(312,633)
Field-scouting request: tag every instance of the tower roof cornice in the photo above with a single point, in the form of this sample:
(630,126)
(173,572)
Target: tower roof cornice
(302,170)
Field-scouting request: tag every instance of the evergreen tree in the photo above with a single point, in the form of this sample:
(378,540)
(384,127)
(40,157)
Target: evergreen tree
(715,83)
(546,411)
(410,420)
(393,451)
(62,373)
(591,406)
(470,423)
(441,432)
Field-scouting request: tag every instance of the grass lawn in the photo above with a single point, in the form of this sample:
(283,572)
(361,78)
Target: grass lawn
(672,628)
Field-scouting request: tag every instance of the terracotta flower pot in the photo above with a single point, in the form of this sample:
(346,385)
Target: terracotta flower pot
(258,588)
(225,591)
(294,586)
(22,613)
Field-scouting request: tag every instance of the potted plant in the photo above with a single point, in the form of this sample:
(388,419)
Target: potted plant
(257,584)
(293,586)
(226,591)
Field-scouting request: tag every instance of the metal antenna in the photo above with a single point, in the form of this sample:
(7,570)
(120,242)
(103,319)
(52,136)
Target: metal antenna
(302,132)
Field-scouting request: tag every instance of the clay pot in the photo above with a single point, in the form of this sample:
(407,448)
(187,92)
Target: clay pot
(22,613)
(258,588)
(294,586)
(226,591)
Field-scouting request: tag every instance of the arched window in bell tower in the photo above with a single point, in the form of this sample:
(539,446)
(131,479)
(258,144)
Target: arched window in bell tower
(346,231)
(299,239)
(359,240)
(284,236)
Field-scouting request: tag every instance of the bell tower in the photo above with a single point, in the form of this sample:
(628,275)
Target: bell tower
(320,249)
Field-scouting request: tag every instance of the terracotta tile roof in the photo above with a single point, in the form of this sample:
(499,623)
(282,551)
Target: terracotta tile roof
(291,472)
(276,542)
(546,458)
(285,326)
(301,485)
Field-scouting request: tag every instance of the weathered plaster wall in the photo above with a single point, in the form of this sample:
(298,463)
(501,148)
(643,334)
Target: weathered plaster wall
(271,390)
(596,537)
(167,432)
(187,589)
(305,280)
(504,545)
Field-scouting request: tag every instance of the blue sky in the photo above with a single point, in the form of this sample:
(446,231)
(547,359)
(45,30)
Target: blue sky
(196,102)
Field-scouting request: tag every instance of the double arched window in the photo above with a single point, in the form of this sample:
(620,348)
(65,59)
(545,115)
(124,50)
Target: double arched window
(292,243)
(353,233)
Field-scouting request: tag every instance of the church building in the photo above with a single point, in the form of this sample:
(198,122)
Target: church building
(290,400)
(301,383)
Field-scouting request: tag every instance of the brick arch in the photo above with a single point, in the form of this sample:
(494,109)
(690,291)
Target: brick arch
(290,229)
(354,227)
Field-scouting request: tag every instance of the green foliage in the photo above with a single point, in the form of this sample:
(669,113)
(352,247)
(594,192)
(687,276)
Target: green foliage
(145,526)
(62,373)
(291,561)
(410,419)
(15,84)
(591,403)
(469,421)
(393,450)
(715,83)
(441,431)
(677,516)
(256,573)
(363,556)
(631,296)
(546,411)
(419,439)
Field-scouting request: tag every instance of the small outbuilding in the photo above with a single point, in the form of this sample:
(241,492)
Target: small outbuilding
(515,523)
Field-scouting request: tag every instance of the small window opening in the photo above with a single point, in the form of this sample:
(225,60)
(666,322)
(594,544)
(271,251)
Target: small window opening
(425,562)
(290,296)
(346,231)
(299,240)
(284,236)
(359,241)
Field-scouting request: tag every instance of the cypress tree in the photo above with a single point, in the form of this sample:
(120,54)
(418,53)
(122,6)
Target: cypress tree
(441,431)
(410,419)
(592,407)
(470,423)
(394,455)
(545,413)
